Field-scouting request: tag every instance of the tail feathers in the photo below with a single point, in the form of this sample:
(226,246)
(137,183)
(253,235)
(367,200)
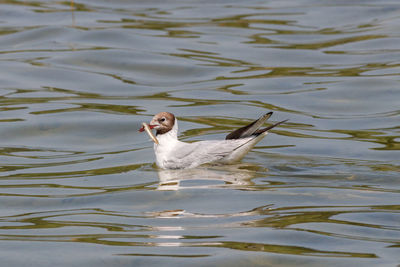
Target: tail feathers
(253,129)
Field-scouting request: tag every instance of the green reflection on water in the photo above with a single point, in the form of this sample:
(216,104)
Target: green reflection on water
(293,250)
(334,42)
(379,137)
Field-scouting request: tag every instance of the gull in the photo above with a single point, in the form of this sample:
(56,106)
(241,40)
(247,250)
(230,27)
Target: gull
(174,154)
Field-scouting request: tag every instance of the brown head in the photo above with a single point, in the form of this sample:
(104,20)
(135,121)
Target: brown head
(162,122)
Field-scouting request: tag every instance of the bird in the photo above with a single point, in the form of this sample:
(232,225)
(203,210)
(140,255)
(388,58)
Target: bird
(172,153)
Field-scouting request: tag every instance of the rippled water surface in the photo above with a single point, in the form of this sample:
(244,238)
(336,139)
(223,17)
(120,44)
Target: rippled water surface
(78,183)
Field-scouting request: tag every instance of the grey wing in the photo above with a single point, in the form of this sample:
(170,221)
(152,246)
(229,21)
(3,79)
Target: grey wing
(195,154)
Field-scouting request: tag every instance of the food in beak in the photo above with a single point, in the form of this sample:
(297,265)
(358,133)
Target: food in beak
(147,128)
(149,125)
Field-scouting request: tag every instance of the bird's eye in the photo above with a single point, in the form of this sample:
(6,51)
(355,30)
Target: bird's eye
(163,119)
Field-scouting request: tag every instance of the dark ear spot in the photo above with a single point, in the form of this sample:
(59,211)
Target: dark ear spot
(162,130)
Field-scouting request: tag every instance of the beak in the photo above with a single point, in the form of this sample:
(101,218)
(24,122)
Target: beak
(151,126)
(147,128)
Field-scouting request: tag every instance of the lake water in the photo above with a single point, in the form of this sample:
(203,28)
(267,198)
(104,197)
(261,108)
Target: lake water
(79,186)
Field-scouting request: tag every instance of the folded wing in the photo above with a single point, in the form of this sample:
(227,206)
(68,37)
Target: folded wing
(190,155)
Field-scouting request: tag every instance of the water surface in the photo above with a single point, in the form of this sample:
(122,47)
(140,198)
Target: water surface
(78,184)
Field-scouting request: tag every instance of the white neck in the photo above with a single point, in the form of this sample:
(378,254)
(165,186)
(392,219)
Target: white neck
(167,143)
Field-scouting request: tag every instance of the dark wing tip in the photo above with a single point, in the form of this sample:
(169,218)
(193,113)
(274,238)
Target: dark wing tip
(250,129)
(268,128)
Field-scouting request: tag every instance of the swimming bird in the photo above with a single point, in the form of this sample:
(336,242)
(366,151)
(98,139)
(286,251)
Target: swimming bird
(174,154)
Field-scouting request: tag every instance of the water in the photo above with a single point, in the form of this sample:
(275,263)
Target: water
(78,183)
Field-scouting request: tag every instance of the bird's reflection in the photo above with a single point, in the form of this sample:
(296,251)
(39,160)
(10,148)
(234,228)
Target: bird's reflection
(218,176)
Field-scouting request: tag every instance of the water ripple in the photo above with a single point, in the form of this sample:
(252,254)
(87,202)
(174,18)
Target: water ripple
(76,178)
